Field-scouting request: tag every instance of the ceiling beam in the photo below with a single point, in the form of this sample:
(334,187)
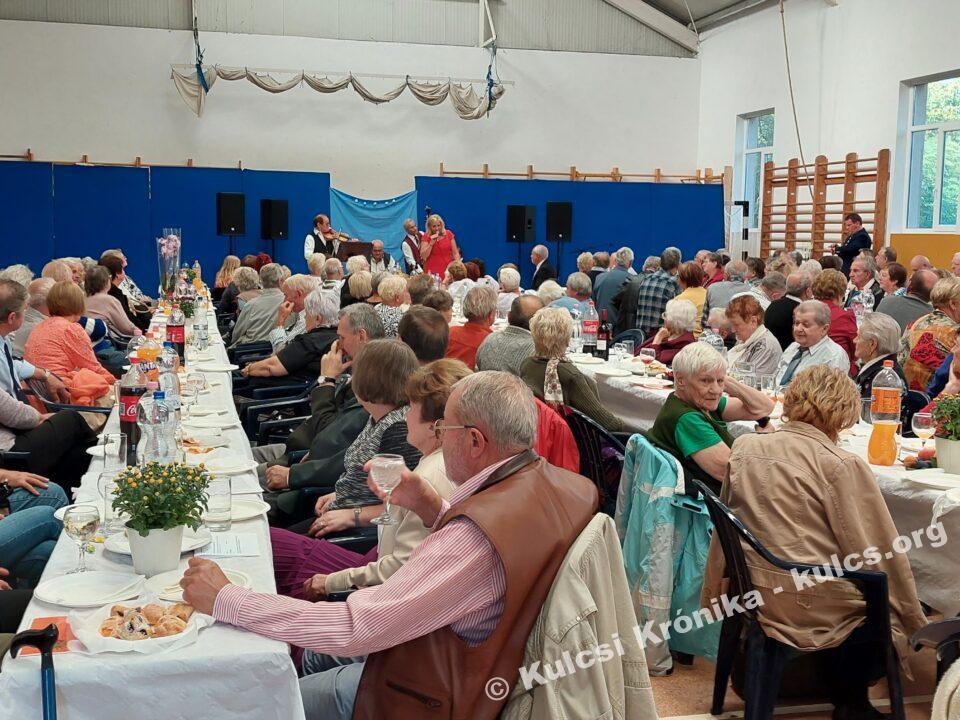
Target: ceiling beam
(661,22)
(740,8)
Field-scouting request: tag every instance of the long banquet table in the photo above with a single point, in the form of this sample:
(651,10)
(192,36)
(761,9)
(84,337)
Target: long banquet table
(935,570)
(228,673)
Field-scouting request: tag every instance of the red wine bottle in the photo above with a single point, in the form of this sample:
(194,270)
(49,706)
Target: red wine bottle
(604,337)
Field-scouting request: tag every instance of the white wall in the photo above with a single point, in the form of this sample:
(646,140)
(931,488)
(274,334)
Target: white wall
(848,65)
(66,90)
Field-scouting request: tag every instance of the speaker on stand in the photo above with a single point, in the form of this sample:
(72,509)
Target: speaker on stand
(559,228)
(521,227)
(231,220)
(273,222)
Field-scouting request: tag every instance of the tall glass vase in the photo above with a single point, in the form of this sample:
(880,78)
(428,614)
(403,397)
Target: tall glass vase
(168,260)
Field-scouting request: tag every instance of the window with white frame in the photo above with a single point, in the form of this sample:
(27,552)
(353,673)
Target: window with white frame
(756,144)
(933,185)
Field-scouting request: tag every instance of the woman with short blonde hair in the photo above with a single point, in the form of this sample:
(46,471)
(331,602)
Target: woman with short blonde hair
(315,264)
(810,501)
(393,302)
(438,247)
(585,262)
(556,380)
(360,285)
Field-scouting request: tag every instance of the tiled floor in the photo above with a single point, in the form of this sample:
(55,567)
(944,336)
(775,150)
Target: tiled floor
(686,694)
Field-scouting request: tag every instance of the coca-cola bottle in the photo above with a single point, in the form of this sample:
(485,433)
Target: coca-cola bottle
(133,385)
(590,325)
(175,330)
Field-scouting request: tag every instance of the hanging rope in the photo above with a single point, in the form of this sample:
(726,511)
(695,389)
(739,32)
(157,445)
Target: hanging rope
(196,42)
(793,100)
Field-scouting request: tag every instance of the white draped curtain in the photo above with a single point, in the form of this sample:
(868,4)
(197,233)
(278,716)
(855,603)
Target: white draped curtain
(466,102)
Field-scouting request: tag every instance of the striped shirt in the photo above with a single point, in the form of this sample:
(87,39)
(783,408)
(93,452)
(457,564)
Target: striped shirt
(279,336)
(454,578)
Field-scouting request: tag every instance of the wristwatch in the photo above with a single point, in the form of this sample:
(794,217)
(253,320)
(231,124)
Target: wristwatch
(324,379)
(356,516)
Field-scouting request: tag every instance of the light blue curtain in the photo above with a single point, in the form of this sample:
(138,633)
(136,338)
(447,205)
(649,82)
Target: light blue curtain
(373,219)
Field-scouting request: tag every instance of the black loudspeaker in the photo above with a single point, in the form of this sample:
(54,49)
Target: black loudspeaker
(230,214)
(559,221)
(521,223)
(273,219)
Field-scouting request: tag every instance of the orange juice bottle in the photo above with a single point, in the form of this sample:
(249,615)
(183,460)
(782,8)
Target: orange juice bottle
(885,393)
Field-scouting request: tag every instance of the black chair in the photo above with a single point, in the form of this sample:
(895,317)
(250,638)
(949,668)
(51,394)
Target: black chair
(38,388)
(913,402)
(945,637)
(766,657)
(248,352)
(257,411)
(591,438)
(270,432)
(10,460)
(636,335)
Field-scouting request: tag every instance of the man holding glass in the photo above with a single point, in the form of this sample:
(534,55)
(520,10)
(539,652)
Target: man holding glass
(477,582)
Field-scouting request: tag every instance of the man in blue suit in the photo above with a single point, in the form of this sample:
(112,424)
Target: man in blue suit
(856,240)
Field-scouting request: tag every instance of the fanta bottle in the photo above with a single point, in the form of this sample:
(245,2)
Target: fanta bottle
(885,394)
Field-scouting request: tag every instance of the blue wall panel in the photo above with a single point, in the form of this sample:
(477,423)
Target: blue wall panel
(643,216)
(26,213)
(51,211)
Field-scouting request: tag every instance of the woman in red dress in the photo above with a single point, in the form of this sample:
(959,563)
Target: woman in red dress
(438,248)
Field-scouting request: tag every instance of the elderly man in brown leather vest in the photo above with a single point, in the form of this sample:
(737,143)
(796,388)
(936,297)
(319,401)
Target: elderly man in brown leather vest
(455,618)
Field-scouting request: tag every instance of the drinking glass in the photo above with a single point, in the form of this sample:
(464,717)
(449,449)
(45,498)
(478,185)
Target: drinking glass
(107,485)
(385,471)
(617,353)
(80,523)
(647,356)
(628,348)
(923,427)
(114,451)
(218,517)
(188,397)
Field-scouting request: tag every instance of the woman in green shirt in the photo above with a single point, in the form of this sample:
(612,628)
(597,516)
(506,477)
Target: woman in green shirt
(692,424)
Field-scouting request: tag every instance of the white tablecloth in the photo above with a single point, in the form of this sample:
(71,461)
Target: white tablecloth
(229,673)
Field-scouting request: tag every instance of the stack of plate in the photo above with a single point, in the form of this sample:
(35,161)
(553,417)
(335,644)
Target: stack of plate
(90,589)
(192,540)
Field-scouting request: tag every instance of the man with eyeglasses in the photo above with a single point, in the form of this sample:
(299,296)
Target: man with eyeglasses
(459,611)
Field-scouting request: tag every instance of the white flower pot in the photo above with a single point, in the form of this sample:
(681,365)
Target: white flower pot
(948,454)
(158,552)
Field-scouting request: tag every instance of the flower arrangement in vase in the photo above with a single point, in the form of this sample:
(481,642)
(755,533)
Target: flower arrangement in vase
(168,259)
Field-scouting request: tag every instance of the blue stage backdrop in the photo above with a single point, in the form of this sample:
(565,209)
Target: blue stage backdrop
(51,211)
(373,219)
(643,216)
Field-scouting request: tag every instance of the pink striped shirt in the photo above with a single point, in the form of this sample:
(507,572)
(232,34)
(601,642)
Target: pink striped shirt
(454,577)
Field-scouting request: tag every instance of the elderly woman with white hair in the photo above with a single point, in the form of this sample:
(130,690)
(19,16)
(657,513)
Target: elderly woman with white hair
(577,297)
(315,264)
(509,290)
(299,359)
(550,291)
(878,339)
(692,424)
(394,302)
(556,380)
(679,322)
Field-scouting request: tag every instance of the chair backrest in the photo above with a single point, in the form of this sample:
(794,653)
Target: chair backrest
(636,335)
(592,439)
(731,532)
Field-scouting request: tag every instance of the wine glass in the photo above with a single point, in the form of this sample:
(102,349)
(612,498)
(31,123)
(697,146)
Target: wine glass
(385,471)
(80,523)
(647,356)
(923,427)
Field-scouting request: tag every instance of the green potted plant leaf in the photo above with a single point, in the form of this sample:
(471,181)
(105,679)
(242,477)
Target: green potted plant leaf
(159,501)
(946,417)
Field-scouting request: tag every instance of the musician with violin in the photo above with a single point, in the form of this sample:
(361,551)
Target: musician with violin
(323,239)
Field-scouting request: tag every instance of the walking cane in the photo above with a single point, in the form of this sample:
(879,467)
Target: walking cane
(44,641)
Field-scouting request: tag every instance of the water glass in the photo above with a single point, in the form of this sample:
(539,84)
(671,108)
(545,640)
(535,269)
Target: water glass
(111,521)
(219,504)
(385,470)
(80,522)
(628,348)
(114,451)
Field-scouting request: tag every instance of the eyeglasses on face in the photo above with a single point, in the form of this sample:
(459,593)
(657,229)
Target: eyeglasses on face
(439,428)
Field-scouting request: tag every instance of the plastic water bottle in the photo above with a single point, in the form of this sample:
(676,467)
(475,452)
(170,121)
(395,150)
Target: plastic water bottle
(201,330)
(169,379)
(590,324)
(576,336)
(157,430)
(886,392)
(196,269)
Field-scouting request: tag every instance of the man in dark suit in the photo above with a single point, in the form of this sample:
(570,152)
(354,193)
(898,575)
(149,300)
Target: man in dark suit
(856,240)
(544,270)
(778,317)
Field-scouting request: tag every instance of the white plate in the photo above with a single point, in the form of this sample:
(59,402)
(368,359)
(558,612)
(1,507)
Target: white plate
(611,371)
(242,508)
(192,540)
(207,423)
(96,502)
(588,360)
(158,584)
(934,478)
(89,589)
(224,466)
(203,411)
(209,367)
(654,383)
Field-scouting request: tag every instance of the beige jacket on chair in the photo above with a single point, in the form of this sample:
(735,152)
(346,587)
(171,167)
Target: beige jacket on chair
(589,606)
